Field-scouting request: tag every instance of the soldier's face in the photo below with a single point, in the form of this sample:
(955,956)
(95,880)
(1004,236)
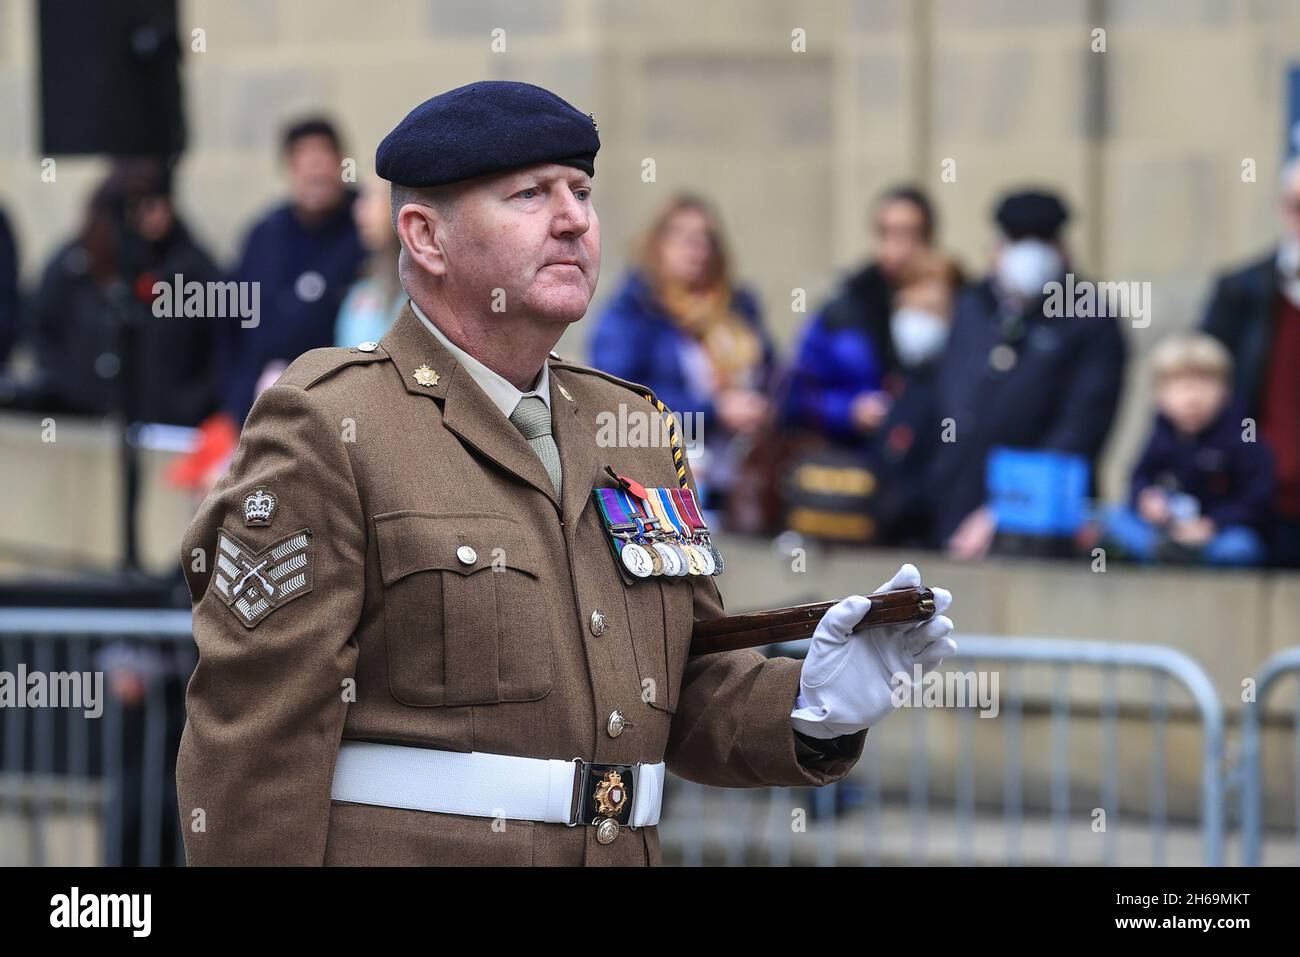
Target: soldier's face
(533,234)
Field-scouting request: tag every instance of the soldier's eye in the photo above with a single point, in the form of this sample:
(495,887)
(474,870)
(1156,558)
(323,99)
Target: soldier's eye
(531,189)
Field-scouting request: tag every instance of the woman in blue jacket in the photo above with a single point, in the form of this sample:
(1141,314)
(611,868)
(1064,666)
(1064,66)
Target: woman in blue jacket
(682,327)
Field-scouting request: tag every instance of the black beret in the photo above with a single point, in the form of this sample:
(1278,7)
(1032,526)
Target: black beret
(1031,215)
(486,127)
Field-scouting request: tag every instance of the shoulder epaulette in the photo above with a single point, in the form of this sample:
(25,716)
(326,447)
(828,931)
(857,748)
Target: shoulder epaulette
(642,390)
(317,365)
(645,392)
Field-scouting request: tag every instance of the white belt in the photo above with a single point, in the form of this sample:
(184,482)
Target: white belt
(498,785)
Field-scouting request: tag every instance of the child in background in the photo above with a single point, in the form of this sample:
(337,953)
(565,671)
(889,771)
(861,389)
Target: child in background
(1201,491)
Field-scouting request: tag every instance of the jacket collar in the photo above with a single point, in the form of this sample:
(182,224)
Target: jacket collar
(499,389)
(479,423)
(573,420)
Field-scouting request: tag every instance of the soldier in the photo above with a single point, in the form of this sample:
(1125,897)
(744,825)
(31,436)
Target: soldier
(441,618)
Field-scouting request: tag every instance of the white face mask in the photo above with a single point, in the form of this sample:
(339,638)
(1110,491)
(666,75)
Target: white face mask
(918,335)
(1024,267)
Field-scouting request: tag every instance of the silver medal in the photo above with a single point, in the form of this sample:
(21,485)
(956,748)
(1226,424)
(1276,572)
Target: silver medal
(672,563)
(637,560)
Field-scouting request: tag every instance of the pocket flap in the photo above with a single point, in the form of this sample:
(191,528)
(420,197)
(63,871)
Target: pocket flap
(464,542)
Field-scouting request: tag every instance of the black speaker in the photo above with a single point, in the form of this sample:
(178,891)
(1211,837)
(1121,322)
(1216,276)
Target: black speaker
(110,77)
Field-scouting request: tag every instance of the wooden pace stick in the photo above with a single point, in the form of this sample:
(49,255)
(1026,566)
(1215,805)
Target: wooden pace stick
(892,607)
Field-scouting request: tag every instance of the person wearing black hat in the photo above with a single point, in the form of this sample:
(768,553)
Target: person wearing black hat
(446,611)
(1015,376)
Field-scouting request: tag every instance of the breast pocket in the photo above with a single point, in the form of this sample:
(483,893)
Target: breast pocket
(465,618)
(660,614)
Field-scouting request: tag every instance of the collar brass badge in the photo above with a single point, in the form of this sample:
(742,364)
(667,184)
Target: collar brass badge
(425,376)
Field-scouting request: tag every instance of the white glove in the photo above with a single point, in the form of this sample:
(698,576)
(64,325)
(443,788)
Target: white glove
(849,677)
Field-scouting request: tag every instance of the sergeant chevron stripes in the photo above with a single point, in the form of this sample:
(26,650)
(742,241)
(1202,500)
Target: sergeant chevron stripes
(253,584)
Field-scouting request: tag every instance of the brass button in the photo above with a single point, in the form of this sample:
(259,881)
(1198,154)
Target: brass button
(368,346)
(606,831)
(597,623)
(615,724)
(467,555)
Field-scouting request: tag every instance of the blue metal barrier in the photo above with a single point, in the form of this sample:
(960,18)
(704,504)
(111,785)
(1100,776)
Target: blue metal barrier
(87,794)
(689,830)
(58,763)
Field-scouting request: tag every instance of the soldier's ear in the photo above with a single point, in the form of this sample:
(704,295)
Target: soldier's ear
(421,230)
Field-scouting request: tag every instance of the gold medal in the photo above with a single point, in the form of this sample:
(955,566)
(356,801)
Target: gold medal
(656,560)
(694,564)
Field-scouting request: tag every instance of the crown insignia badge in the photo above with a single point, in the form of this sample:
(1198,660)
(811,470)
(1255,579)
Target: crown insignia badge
(610,794)
(259,507)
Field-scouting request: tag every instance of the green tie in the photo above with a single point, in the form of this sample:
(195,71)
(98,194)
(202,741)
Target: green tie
(532,417)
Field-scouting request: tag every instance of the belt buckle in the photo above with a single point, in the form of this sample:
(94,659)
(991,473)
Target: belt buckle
(605,792)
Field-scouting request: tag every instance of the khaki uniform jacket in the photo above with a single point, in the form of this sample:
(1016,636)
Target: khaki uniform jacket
(376,631)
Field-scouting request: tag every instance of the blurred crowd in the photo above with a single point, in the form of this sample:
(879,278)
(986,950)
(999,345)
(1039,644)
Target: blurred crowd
(923,404)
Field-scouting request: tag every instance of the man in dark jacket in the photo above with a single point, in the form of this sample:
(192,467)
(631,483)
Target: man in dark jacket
(1255,312)
(304,255)
(1014,376)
